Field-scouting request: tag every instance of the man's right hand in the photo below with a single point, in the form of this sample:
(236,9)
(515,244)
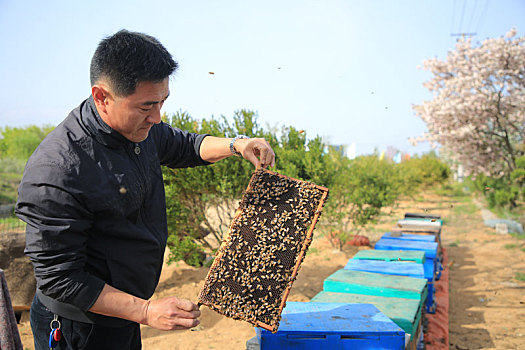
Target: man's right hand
(172,313)
(166,314)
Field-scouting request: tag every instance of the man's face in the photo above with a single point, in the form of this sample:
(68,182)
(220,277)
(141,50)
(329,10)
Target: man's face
(134,115)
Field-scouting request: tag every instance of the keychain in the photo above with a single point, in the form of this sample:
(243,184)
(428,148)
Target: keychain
(56,333)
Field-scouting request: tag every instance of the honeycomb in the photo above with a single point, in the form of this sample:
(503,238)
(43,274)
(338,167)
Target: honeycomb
(257,263)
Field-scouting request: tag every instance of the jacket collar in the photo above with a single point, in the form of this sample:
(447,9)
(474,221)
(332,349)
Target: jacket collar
(101,131)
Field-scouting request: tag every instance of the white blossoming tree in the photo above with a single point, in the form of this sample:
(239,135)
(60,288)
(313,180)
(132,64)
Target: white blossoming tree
(477,113)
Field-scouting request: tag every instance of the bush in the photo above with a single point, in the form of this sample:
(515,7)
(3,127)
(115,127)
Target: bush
(500,192)
(20,143)
(12,165)
(198,199)
(425,170)
(361,187)
(186,249)
(201,201)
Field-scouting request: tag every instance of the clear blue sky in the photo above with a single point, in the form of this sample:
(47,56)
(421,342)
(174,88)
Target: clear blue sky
(348,69)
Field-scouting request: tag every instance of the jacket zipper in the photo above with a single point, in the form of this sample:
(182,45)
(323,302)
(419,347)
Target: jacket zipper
(137,150)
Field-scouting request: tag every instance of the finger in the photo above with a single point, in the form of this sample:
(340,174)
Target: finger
(272,164)
(250,156)
(186,305)
(177,327)
(192,314)
(270,157)
(271,160)
(185,314)
(263,151)
(185,323)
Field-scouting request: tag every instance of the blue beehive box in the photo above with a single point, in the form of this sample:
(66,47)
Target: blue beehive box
(423,238)
(429,237)
(430,266)
(430,249)
(406,313)
(397,268)
(410,237)
(311,325)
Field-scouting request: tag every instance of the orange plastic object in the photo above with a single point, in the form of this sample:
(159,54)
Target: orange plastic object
(359,241)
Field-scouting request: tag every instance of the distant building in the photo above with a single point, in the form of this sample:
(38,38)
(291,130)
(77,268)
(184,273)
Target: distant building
(348,151)
(351,151)
(459,174)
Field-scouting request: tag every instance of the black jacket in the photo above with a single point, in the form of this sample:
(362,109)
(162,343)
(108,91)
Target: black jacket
(95,210)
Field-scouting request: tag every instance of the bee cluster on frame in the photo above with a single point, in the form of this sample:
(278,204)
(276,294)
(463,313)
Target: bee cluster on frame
(258,260)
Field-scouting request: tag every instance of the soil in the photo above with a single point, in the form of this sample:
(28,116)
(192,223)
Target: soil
(487,301)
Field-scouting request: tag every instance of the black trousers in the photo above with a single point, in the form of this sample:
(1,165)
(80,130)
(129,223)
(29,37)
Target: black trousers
(80,335)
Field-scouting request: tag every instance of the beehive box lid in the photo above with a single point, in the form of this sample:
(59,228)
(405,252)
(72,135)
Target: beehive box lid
(438,220)
(413,222)
(428,230)
(396,268)
(430,248)
(368,283)
(410,237)
(404,312)
(391,255)
(422,215)
(308,319)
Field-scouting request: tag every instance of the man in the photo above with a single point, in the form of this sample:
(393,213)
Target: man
(93,199)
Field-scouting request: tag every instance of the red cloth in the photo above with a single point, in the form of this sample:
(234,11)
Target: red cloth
(9,336)
(436,337)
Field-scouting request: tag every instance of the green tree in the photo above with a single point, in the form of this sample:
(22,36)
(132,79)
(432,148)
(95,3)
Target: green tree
(16,145)
(20,143)
(201,201)
(361,188)
(424,170)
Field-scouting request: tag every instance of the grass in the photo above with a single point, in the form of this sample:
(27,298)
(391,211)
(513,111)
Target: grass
(512,214)
(520,276)
(517,236)
(9,187)
(419,199)
(453,189)
(373,229)
(468,208)
(312,250)
(12,165)
(11,224)
(454,244)
(511,246)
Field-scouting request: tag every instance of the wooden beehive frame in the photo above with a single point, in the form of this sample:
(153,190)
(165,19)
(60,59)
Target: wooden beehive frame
(222,254)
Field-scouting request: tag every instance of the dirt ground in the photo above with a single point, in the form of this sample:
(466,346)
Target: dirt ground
(487,302)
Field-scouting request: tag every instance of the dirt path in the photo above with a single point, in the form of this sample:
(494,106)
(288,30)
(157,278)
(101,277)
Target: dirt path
(487,303)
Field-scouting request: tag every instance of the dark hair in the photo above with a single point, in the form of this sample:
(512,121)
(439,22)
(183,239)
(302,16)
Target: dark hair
(128,58)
